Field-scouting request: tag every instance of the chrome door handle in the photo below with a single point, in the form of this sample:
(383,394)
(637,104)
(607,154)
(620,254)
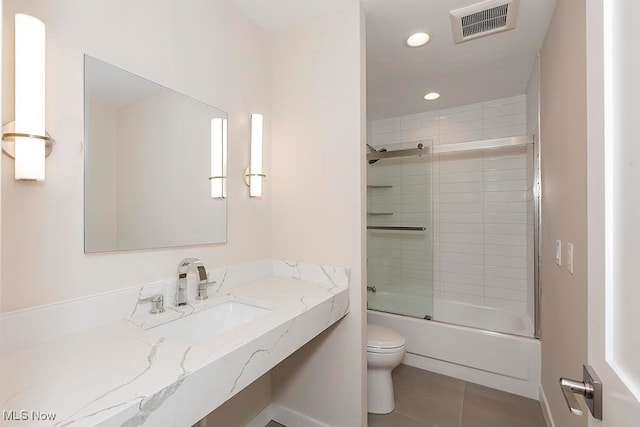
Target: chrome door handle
(590,388)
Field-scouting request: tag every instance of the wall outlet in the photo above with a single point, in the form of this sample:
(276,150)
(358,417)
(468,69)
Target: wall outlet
(558,252)
(570,257)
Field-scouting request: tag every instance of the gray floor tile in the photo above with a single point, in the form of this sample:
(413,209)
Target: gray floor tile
(486,406)
(434,409)
(428,382)
(393,419)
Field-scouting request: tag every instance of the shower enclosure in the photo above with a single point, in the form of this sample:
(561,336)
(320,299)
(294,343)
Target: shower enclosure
(451,233)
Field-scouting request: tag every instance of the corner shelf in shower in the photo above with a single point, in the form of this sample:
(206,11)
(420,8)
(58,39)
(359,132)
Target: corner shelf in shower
(379,213)
(379,186)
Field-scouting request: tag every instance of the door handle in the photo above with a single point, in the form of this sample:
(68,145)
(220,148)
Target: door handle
(590,388)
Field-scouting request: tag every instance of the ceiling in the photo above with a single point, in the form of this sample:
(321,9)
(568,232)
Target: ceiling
(398,77)
(488,68)
(278,15)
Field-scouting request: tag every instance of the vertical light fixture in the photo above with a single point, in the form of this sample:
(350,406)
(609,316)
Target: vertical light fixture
(30,140)
(254,172)
(218,158)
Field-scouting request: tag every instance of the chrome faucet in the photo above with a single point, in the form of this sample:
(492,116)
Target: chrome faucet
(183,268)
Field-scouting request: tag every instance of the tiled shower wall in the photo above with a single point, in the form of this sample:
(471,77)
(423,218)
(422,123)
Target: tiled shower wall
(480,204)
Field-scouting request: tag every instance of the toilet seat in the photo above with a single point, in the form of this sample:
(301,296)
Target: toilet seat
(383,340)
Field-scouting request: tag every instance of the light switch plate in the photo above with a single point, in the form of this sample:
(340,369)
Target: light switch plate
(558,252)
(570,257)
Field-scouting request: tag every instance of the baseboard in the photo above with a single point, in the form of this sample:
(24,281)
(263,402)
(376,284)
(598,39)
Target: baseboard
(262,419)
(546,411)
(291,418)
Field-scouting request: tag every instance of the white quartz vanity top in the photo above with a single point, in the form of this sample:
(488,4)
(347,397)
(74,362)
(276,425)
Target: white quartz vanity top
(122,374)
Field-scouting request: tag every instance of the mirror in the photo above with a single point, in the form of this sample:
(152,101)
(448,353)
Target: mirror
(149,156)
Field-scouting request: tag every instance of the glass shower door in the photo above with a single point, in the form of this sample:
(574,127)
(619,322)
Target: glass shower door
(400,235)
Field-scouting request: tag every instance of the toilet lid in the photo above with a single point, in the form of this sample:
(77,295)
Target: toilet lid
(381,337)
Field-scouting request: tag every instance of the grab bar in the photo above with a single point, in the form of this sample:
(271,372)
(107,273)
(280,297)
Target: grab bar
(385,227)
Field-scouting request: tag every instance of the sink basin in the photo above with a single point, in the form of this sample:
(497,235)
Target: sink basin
(203,325)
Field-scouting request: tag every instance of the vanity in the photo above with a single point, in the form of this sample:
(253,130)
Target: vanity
(164,369)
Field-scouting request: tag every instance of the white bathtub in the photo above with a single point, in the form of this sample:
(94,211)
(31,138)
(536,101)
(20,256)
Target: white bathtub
(457,313)
(477,354)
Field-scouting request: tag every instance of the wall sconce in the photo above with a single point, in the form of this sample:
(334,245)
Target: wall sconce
(25,140)
(218,158)
(254,174)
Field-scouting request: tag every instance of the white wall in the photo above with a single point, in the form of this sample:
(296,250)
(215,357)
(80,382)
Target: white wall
(204,49)
(318,198)
(481,216)
(563,136)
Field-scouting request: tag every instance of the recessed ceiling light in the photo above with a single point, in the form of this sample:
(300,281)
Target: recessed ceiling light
(417,39)
(432,96)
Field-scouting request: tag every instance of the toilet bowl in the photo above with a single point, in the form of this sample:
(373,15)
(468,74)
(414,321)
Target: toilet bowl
(385,351)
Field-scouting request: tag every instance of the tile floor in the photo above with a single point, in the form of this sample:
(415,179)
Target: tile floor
(426,399)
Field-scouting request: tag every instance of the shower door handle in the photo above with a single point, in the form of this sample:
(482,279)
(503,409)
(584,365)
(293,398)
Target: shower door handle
(590,388)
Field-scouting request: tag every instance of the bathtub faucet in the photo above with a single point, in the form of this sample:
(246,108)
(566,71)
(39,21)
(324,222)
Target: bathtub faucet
(371,289)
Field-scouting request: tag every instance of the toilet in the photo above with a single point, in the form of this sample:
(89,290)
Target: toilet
(385,350)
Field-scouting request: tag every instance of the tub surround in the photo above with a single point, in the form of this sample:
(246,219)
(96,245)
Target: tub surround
(116,372)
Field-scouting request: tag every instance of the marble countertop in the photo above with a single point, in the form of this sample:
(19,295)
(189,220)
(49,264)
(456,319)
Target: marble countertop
(125,374)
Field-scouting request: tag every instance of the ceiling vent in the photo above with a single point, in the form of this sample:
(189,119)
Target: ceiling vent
(483,19)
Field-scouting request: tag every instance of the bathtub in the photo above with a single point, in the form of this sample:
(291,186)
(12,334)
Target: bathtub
(504,360)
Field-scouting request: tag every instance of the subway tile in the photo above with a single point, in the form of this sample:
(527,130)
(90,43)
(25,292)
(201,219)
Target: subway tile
(460,258)
(463,238)
(506,207)
(505,132)
(505,174)
(513,229)
(461,248)
(460,228)
(461,207)
(476,269)
(452,118)
(517,239)
(458,288)
(461,187)
(505,218)
(506,283)
(464,279)
(512,185)
(459,166)
(453,138)
(505,110)
(515,119)
(445,178)
(416,273)
(386,125)
(476,197)
(505,272)
(419,134)
(506,250)
(505,261)
(472,217)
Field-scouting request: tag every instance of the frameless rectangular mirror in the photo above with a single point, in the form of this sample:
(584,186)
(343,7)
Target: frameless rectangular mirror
(153,164)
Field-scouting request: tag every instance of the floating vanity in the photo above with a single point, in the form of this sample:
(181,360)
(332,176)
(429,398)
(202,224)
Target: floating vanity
(170,368)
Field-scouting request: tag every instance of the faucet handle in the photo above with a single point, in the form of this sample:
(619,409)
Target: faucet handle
(202,290)
(157,303)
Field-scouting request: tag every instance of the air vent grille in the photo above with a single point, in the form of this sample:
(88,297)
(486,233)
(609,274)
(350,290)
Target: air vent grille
(485,20)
